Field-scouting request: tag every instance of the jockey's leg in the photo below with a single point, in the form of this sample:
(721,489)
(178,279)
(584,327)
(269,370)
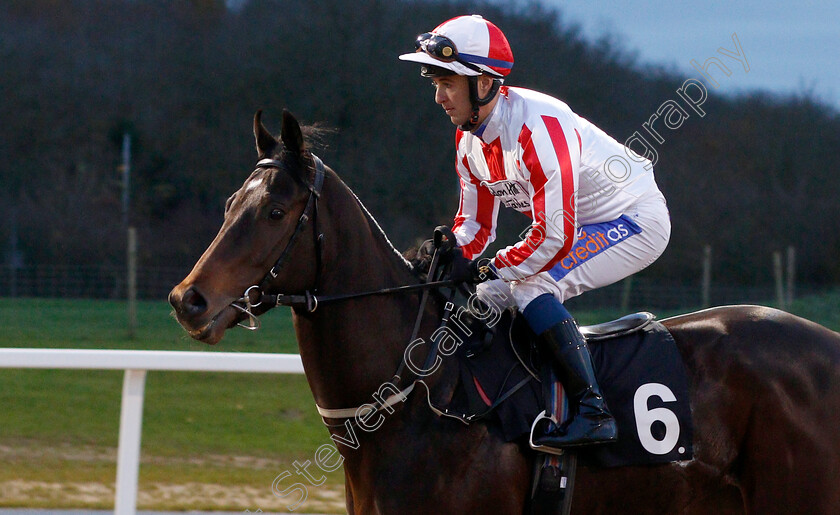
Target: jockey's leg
(559,336)
(603,254)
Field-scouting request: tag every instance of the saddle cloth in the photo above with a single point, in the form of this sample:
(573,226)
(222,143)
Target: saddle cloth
(641,375)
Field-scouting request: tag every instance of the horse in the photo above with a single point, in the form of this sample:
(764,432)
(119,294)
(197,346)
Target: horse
(764,384)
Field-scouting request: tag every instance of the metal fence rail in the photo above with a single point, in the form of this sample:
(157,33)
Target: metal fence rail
(136,363)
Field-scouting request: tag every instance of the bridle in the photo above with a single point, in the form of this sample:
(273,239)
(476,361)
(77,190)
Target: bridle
(310,211)
(254,296)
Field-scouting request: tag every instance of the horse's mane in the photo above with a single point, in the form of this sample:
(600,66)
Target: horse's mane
(382,234)
(315,135)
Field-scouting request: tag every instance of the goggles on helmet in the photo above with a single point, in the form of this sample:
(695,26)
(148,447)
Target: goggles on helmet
(442,48)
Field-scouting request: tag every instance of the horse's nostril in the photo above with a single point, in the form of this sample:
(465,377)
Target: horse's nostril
(173,298)
(193,302)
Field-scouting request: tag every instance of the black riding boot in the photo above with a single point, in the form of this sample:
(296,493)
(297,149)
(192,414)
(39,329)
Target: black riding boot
(592,421)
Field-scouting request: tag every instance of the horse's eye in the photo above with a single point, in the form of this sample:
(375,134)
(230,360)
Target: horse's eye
(276,214)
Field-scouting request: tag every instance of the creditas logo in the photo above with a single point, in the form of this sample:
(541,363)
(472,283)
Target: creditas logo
(592,240)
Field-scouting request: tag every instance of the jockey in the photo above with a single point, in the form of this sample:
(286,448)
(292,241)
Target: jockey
(597,213)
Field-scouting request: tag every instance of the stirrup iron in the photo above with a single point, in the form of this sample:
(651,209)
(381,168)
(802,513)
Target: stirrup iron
(542,448)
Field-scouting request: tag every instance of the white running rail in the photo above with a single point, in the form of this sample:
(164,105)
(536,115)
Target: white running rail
(136,363)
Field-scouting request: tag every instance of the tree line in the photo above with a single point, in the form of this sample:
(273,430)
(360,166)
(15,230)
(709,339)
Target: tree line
(753,175)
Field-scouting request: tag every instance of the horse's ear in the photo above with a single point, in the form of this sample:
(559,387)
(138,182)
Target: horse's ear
(291,134)
(266,143)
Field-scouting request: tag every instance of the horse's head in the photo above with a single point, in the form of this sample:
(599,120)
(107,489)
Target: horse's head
(259,221)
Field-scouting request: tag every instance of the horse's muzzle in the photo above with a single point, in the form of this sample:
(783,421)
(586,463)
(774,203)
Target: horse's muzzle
(192,310)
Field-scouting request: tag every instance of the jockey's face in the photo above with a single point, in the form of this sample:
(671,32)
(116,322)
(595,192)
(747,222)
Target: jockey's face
(452,92)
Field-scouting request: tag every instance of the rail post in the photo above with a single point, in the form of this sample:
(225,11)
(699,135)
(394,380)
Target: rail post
(128,452)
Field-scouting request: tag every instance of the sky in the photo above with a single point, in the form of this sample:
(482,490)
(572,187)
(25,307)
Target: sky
(791,47)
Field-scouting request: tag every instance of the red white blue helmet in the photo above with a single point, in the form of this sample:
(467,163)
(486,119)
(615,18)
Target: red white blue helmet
(466,45)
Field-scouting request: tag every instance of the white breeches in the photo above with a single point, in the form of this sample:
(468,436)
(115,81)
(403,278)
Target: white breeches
(603,254)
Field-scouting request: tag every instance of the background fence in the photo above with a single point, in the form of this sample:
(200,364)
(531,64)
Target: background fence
(154,283)
(87,281)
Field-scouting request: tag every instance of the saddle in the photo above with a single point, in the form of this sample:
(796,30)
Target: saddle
(503,380)
(500,367)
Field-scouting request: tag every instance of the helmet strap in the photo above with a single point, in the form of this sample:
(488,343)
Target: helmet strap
(477,102)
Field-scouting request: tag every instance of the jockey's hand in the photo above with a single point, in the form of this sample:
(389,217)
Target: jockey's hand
(445,239)
(446,245)
(472,271)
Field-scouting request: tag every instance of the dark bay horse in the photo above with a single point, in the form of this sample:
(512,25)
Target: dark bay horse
(764,384)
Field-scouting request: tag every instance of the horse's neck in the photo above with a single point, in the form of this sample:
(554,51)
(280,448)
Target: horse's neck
(350,348)
(364,256)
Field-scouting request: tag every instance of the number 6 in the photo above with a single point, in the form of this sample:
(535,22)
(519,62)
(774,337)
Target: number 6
(646,417)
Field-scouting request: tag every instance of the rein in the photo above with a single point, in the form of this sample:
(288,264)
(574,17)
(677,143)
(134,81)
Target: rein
(311,301)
